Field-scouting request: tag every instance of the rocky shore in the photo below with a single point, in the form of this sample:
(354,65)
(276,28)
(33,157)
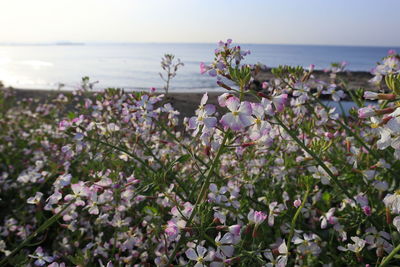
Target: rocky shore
(354,79)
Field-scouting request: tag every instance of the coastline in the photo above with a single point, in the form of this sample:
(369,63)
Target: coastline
(354,79)
(186,102)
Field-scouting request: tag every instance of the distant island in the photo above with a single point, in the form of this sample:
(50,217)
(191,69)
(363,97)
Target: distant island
(69,43)
(42,44)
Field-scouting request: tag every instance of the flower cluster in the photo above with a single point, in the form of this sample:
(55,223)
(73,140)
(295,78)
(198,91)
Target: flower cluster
(270,178)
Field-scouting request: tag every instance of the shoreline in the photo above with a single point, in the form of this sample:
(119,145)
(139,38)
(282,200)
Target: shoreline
(353,80)
(186,102)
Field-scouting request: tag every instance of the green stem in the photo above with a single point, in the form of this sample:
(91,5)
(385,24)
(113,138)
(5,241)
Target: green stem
(320,163)
(200,196)
(349,131)
(315,157)
(122,150)
(390,256)
(43,227)
(241,96)
(293,224)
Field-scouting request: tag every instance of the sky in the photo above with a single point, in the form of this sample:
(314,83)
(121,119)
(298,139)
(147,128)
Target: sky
(320,22)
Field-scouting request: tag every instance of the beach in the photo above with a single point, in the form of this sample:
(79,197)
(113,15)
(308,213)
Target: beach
(186,102)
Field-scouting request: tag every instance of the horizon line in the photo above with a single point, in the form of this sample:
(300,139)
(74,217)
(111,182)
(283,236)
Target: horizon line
(72,43)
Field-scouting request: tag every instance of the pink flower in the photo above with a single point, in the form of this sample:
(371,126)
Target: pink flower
(328,218)
(203,68)
(63,125)
(297,203)
(336,94)
(222,99)
(367,210)
(256,217)
(235,229)
(172,229)
(79,190)
(370,95)
(366,112)
(240,115)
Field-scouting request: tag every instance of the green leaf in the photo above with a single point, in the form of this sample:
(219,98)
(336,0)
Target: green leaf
(71,115)
(183,158)
(326,197)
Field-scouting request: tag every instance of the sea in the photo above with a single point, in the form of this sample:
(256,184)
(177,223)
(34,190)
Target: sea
(135,66)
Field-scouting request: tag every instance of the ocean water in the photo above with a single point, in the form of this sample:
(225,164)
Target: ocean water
(137,66)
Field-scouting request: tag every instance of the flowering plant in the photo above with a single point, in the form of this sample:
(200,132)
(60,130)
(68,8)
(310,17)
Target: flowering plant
(272,177)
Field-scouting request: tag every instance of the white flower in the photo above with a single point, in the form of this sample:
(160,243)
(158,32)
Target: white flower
(41,258)
(356,247)
(378,240)
(396,223)
(198,255)
(35,200)
(274,210)
(224,244)
(392,201)
(328,218)
(320,173)
(306,244)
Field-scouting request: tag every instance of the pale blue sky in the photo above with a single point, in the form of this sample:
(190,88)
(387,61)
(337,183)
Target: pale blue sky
(336,22)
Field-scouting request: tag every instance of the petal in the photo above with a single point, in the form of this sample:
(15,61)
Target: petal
(236,124)
(201,251)
(213,188)
(209,109)
(250,216)
(258,110)
(245,120)
(40,262)
(232,103)
(297,240)
(282,248)
(227,119)
(218,238)
(280,101)
(191,254)
(76,188)
(227,238)
(396,143)
(204,99)
(193,123)
(227,250)
(223,98)
(245,107)
(212,73)
(210,122)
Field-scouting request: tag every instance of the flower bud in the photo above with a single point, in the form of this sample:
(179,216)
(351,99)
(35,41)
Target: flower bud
(297,203)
